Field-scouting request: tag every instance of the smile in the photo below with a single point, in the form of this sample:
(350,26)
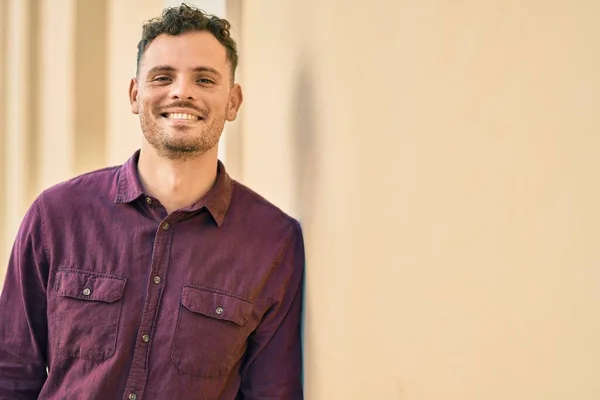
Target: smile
(181,116)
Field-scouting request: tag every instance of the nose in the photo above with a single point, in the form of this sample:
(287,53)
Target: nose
(182,90)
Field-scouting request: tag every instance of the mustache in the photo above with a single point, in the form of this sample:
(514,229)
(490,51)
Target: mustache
(185,104)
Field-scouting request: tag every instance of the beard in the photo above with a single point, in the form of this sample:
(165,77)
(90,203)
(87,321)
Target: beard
(185,143)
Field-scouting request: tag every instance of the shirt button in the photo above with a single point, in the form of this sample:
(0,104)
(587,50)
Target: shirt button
(156,279)
(165,226)
(132,396)
(146,338)
(148,200)
(219,310)
(86,292)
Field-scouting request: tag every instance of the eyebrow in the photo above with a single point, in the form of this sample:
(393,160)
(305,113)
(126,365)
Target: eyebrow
(168,68)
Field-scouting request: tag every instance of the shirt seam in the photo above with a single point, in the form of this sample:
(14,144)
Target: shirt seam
(284,249)
(40,210)
(279,259)
(219,291)
(65,268)
(121,197)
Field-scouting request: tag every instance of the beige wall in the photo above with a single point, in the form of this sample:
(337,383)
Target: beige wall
(3,98)
(125,18)
(443,157)
(65,67)
(16,125)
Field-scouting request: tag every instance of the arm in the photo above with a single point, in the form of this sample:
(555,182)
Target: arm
(23,326)
(273,366)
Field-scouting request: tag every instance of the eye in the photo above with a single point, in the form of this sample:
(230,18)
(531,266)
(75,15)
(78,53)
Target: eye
(205,81)
(161,78)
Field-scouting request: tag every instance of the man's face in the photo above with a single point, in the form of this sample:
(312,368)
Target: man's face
(183,94)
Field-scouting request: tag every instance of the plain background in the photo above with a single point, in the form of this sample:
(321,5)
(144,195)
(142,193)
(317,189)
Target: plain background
(442,157)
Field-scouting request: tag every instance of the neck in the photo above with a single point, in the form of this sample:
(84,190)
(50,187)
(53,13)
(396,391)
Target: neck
(176,184)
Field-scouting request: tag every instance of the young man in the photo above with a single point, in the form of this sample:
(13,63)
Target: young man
(162,278)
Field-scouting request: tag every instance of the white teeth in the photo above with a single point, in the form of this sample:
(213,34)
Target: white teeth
(181,116)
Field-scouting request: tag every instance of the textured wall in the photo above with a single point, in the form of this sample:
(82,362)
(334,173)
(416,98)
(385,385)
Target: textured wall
(65,67)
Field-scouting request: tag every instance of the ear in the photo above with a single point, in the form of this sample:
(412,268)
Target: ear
(133,96)
(235,101)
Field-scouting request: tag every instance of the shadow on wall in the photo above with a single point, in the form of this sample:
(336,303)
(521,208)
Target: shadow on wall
(305,163)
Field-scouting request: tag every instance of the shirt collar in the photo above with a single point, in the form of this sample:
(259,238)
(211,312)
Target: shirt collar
(216,201)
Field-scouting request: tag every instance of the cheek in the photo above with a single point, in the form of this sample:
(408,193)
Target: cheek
(150,98)
(147,108)
(219,101)
(222,107)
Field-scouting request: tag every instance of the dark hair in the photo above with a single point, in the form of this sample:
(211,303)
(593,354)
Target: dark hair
(185,18)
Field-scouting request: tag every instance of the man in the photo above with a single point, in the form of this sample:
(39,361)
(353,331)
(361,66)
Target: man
(162,278)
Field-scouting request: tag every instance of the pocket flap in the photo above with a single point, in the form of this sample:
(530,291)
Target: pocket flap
(216,304)
(88,286)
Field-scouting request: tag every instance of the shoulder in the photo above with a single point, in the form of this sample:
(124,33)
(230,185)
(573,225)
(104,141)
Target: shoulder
(98,184)
(257,209)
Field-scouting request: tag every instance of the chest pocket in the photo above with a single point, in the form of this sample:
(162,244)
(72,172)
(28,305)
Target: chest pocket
(85,319)
(210,336)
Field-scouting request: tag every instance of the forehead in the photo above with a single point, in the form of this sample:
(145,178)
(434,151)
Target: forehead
(186,51)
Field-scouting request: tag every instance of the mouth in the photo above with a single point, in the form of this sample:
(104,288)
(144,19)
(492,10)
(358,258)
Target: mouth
(181,117)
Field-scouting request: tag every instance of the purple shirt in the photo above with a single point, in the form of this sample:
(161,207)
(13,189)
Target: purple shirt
(121,301)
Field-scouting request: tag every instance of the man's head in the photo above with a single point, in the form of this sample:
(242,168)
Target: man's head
(184,89)
(185,18)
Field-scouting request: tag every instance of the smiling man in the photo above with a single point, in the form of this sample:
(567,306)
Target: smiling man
(162,278)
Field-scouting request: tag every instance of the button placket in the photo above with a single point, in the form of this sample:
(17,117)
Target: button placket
(138,374)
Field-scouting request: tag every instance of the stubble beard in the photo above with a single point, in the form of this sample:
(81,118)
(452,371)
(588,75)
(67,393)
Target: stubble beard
(181,148)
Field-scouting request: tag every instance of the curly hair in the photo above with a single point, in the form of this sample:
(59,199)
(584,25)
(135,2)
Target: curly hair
(185,18)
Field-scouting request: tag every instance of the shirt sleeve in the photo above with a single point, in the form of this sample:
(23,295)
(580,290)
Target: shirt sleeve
(272,369)
(23,322)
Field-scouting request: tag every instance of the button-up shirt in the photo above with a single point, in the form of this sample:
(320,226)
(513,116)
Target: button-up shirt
(107,296)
